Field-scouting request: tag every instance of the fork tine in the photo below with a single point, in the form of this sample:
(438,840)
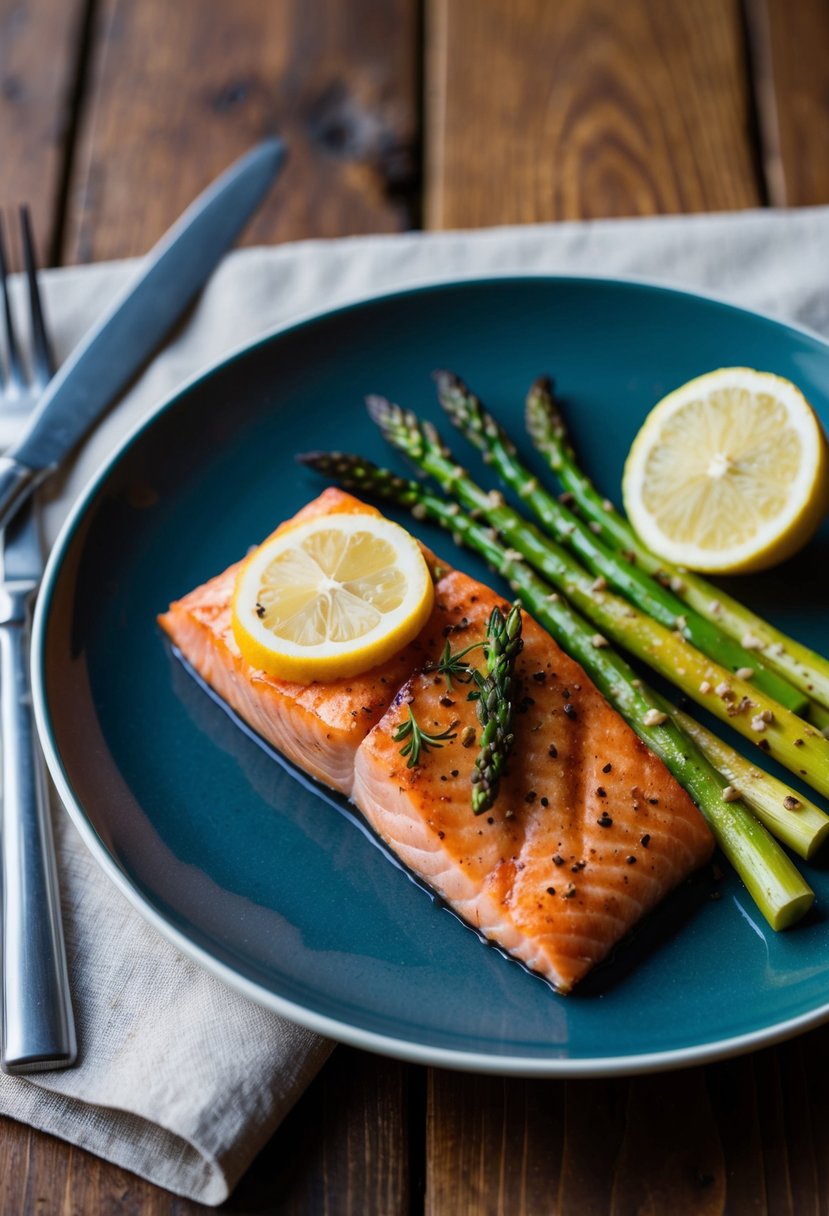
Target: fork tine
(15,370)
(43,363)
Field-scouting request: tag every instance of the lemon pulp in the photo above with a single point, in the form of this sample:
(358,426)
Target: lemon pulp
(330,597)
(728,473)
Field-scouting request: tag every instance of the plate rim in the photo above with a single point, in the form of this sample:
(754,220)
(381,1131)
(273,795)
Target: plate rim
(333,1028)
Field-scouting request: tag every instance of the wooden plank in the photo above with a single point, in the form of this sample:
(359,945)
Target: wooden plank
(789,39)
(593,1129)
(345,1146)
(343,1149)
(735,1103)
(743,1136)
(493,1145)
(38,53)
(179,90)
(812,1105)
(788,1099)
(670,1158)
(585,108)
(41,1174)
(580,1148)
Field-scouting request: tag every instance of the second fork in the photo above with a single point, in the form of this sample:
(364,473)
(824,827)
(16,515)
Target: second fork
(38,1030)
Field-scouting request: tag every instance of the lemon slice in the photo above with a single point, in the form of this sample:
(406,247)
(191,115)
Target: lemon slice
(728,473)
(331,597)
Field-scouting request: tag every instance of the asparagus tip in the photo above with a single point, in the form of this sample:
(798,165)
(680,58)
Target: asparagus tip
(542,415)
(446,379)
(380,409)
(543,385)
(462,406)
(348,470)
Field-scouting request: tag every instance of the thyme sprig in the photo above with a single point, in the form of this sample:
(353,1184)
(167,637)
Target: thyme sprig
(417,739)
(493,691)
(451,664)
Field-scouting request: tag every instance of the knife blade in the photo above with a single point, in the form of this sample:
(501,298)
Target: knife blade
(132,329)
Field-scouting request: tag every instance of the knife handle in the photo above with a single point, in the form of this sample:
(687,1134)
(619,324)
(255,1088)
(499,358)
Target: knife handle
(38,1026)
(17,481)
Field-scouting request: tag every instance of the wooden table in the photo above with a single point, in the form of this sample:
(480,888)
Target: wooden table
(440,114)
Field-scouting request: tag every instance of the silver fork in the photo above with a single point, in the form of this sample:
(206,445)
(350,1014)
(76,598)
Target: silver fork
(38,1029)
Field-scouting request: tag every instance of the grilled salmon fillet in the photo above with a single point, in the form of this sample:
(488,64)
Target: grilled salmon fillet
(317,726)
(589,830)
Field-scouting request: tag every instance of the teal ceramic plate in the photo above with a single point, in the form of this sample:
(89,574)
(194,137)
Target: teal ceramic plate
(271,882)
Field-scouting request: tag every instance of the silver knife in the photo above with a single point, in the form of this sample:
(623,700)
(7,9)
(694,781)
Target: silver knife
(119,345)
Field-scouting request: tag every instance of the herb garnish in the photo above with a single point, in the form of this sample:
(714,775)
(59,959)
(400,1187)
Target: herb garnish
(418,740)
(451,664)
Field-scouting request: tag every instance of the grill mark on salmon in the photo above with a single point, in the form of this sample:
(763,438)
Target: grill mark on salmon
(546,873)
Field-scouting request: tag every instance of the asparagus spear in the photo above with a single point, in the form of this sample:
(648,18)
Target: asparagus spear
(773,728)
(787,815)
(819,717)
(495,706)
(802,667)
(635,584)
(769,875)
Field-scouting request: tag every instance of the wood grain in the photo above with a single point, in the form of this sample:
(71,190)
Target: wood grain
(789,41)
(38,58)
(343,1150)
(493,1145)
(642,1147)
(177,91)
(40,1174)
(771,1111)
(584,108)
(670,1158)
(745,1136)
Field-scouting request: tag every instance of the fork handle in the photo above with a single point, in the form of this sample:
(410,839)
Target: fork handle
(17,482)
(38,1026)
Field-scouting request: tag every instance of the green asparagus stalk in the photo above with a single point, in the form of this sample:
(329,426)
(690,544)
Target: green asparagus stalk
(819,717)
(774,729)
(788,815)
(773,881)
(495,706)
(802,667)
(635,584)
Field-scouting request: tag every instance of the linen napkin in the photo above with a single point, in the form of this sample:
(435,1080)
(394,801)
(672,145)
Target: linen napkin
(180,1079)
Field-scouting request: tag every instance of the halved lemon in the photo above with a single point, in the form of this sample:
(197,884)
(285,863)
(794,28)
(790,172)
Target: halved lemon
(331,597)
(729,473)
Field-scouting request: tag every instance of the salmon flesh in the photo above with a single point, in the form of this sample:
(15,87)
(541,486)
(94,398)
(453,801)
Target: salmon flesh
(589,830)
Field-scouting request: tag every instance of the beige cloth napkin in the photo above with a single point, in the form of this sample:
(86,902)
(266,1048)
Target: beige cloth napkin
(180,1079)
